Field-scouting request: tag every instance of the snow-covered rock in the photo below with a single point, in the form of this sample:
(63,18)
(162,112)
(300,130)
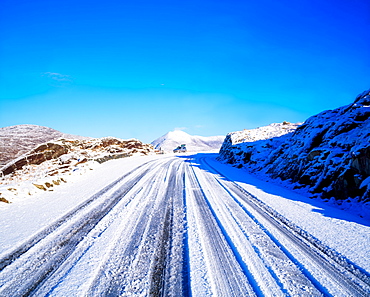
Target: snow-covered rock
(173,139)
(63,150)
(54,162)
(239,145)
(19,139)
(329,153)
(263,133)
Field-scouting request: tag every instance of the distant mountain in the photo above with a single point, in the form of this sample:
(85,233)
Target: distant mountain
(171,140)
(19,139)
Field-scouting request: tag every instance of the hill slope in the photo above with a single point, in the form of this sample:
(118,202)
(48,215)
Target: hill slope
(19,139)
(58,161)
(172,139)
(329,153)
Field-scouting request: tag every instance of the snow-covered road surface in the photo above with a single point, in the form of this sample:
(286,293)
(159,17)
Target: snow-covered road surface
(176,226)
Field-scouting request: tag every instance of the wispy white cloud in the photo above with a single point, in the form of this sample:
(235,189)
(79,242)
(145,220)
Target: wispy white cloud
(57,79)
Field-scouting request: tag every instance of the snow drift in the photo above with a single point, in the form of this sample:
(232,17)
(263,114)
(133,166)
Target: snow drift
(329,153)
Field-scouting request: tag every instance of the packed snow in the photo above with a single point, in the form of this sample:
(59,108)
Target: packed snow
(114,217)
(223,234)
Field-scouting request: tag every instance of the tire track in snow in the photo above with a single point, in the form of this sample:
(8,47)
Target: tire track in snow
(173,261)
(149,263)
(169,228)
(344,280)
(223,274)
(123,214)
(9,258)
(185,273)
(38,263)
(120,273)
(158,274)
(272,270)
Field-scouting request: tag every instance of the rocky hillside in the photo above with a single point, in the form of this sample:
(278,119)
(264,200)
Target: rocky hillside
(329,153)
(59,161)
(238,146)
(64,152)
(171,140)
(17,140)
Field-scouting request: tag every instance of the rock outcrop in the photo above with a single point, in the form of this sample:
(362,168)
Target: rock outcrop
(65,152)
(60,161)
(40,154)
(246,145)
(329,153)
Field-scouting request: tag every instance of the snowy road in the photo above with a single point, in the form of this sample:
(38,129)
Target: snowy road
(176,227)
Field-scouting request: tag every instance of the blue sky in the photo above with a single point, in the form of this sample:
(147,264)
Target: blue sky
(138,69)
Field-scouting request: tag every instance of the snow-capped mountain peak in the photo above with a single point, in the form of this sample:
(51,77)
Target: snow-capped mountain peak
(193,143)
(178,135)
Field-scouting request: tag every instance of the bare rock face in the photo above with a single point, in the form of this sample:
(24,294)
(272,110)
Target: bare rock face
(329,152)
(40,154)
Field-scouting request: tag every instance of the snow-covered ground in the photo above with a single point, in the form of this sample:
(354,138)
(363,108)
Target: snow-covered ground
(346,232)
(29,213)
(173,139)
(176,225)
